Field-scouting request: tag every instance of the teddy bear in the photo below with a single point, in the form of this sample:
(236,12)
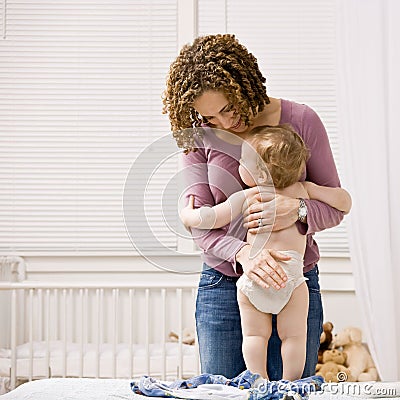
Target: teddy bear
(359,361)
(332,368)
(325,339)
(188,336)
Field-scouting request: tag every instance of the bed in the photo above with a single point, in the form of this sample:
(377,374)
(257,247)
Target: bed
(119,389)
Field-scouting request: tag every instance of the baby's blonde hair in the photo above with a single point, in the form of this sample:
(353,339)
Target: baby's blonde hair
(282,152)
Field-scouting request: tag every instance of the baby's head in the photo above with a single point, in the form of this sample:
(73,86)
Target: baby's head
(282,156)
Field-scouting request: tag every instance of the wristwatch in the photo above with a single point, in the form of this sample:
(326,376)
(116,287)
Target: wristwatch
(302,211)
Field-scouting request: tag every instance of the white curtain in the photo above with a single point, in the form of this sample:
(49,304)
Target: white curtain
(368,59)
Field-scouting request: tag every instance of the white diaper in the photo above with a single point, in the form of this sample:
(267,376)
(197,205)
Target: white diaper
(272,300)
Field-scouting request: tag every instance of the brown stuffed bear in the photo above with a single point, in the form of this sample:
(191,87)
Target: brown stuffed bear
(188,336)
(332,369)
(325,339)
(359,361)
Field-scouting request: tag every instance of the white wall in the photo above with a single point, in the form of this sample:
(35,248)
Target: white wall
(341,305)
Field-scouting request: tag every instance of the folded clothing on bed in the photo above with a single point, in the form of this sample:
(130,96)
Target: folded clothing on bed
(245,386)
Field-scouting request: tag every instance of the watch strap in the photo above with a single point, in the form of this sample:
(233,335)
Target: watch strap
(302,211)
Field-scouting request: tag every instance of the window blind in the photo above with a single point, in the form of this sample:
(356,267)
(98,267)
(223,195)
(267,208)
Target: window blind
(294,42)
(80,98)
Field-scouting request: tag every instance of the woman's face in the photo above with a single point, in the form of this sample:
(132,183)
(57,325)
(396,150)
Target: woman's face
(216,109)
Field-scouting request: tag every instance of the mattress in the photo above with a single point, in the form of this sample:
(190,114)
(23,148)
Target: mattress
(119,389)
(72,389)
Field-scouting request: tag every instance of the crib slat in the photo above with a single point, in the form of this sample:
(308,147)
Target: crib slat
(64,336)
(163,334)
(180,329)
(99,300)
(47,311)
(30,374)
(81,339)
(57,311)
(87,323)
(71,324)
(131,331)
(39,315)
(13,339)
(147,328)
(86,316)
(115,294)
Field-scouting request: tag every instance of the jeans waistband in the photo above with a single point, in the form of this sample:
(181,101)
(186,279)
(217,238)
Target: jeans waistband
(219,274)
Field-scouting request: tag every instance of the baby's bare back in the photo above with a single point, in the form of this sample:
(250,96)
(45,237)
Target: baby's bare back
(285,239)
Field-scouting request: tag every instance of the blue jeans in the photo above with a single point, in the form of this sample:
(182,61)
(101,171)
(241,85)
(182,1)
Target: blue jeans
(220,335)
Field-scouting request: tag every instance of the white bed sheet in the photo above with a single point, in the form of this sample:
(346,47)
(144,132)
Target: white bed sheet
(73,389)
(119,389)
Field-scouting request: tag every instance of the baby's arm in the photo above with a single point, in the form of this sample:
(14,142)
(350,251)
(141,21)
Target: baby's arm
(333,196)
(217,216)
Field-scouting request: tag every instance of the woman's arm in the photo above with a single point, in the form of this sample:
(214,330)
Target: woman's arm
(321,169)
(336,197)
(215,242)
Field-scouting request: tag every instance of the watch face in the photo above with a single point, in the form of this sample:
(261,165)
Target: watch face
(302,212)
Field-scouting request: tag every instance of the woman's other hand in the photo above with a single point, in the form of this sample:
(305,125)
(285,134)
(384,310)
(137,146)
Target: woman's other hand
(264,268)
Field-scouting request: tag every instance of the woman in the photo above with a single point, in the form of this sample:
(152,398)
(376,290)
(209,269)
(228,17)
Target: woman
(217,82)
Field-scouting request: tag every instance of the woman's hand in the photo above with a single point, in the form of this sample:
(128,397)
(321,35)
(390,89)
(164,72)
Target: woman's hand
(264,268)
(270,212)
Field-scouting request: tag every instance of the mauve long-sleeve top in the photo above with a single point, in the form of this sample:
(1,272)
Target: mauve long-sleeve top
(212,174)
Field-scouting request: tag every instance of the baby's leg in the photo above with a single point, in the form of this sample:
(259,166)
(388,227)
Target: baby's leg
(256,329)
(292,329)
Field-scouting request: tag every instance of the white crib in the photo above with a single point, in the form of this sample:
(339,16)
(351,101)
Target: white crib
(105,330)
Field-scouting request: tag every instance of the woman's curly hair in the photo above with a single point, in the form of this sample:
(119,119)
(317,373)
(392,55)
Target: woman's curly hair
(213,62)
(282,153)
